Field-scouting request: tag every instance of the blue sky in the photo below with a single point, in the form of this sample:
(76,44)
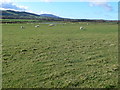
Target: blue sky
(76,10)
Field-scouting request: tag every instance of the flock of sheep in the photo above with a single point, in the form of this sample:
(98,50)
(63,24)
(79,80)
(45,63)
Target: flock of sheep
(50,25)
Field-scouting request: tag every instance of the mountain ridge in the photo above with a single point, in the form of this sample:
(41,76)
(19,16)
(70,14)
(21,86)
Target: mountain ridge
(12,13)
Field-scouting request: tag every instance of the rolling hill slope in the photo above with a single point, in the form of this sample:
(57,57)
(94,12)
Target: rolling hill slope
(25,15)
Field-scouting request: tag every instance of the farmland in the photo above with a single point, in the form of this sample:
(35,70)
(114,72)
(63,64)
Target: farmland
(62,56)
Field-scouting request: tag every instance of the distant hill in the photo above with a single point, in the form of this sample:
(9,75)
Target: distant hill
(16,13)
(25,15)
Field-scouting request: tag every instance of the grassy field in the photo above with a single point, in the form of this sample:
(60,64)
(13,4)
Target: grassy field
(62,56)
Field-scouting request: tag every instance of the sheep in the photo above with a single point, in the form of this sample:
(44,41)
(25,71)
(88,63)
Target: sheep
(87,23)
(22,27)
(81,28)
(36,26)
(50,25)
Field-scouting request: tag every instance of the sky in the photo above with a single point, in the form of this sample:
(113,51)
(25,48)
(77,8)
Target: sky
(76,9)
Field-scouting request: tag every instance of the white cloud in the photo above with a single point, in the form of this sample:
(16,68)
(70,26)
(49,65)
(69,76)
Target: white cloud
(3,1)
(101,3)
(104,5)
(8,5)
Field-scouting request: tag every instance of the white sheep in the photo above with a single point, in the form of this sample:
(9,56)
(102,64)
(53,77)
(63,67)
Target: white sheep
(87,24)
(22,27)
(37,26)
(81,28)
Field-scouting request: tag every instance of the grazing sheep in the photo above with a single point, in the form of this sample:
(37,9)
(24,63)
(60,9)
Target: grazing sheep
(87,24)
(50,25)
(81,28)
(22,27)
(37,26)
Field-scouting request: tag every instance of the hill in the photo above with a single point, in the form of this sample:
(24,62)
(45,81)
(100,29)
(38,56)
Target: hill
(10,14)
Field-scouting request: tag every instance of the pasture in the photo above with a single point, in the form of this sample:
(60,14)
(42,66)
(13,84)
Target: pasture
(62,56)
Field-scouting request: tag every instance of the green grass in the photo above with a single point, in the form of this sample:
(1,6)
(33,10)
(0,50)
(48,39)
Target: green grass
(61,56)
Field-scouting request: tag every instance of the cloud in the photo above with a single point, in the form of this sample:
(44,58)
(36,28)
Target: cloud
(8,5)
(100,3)
(3,1)
(104,5)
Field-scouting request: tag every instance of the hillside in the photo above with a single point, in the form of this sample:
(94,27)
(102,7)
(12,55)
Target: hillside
(10,14)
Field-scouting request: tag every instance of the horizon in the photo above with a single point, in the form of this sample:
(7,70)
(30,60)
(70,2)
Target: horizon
(72,10)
